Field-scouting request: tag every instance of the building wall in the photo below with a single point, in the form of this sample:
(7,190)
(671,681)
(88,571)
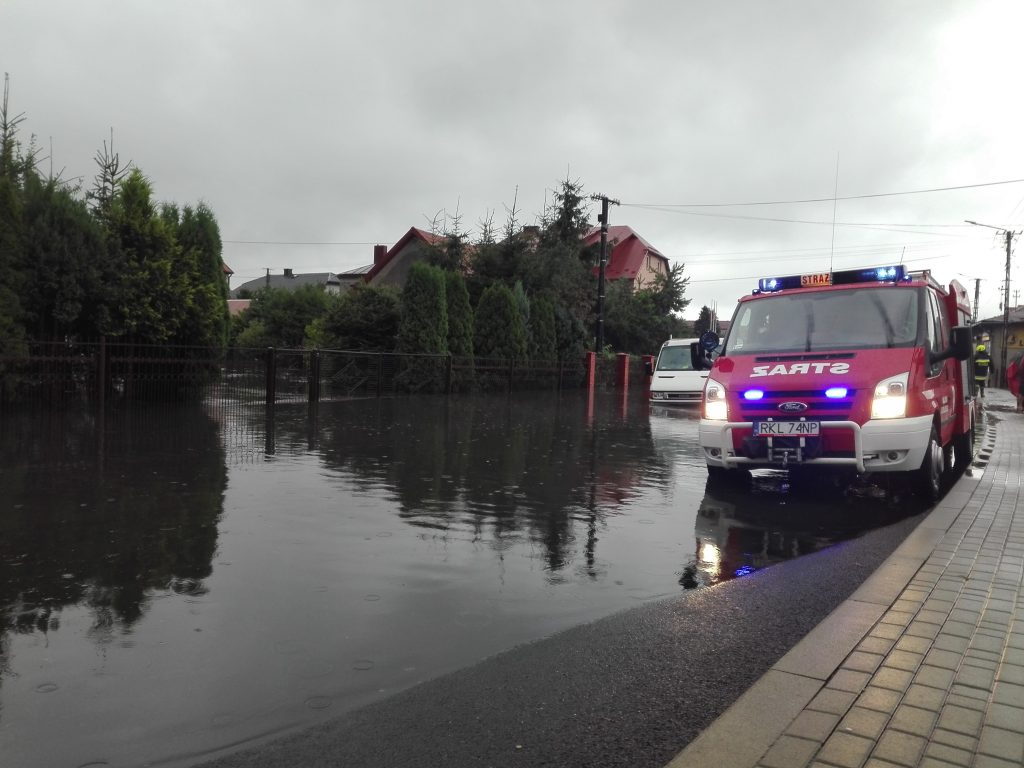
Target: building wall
(652,267)
(396,270)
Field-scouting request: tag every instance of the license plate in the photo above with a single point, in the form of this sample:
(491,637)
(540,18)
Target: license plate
(787,428)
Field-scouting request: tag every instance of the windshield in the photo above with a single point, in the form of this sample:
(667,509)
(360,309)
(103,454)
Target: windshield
(863,318)
(677,358)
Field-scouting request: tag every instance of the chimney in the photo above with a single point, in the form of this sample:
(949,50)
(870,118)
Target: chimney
(379,252)
(288,272)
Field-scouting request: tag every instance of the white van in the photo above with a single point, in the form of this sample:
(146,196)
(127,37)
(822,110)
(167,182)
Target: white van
(676,378)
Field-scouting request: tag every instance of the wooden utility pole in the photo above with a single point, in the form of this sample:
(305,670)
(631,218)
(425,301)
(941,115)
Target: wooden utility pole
(603,220)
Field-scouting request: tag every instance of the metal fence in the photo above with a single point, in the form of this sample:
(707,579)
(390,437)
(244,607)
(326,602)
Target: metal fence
(109,374)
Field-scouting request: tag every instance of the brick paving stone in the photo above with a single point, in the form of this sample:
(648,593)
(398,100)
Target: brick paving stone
(932,617)
(987,659)
(936,677)
(1008,693)
(879,699)
(922,696)
(952,643)
(949,755)
(976,677)
(958,699)
(861,721)
(846,750)
(894,679)
(863,662)
(1003,716)
(904,660)
(906,605)
(813,725)
(959,628)
(872,644)
(789,752)
(923,629)
(900,748)
(913,720)
(849,680)
(944,659)
(1014,656)
(899,618)
(960,720)
(1011,673)
(887,631)
(1015,640)
(987,761)
(832,700)
(999,742)
(941,606)
(909,644)
(954,739)
(874,762)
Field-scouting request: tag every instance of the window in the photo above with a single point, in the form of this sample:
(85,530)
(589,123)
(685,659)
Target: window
(677,358)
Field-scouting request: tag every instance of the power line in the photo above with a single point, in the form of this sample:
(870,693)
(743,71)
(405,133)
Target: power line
(823,199)
(293,242)
(881,226)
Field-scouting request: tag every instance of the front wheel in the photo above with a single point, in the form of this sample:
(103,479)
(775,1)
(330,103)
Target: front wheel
(963,450)
(928,477)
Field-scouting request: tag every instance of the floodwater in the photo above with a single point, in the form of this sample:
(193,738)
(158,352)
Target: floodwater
(180,583)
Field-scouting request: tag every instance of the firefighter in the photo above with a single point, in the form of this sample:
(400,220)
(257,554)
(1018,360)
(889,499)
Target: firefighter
(981,366)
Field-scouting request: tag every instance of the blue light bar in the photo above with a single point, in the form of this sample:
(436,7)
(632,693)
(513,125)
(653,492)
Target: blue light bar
(753,394)
(890,274)
(836,393)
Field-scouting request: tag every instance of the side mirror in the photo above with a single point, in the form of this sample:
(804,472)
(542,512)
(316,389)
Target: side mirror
(648,368)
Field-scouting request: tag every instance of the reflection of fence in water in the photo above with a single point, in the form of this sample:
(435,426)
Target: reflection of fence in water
(111,374)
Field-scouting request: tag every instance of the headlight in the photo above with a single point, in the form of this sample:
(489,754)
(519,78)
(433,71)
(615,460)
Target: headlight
(657,395)
(890,401)
(714,401)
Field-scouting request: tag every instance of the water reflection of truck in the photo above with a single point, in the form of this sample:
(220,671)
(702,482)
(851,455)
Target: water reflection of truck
(679,373)
(859,371)
(733,540)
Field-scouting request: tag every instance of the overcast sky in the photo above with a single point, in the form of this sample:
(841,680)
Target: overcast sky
(317,129)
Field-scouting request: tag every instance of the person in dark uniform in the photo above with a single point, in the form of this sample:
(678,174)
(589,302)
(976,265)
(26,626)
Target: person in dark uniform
(981,365)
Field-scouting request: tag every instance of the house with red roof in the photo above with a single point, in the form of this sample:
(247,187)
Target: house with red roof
(391,265)
(630,257)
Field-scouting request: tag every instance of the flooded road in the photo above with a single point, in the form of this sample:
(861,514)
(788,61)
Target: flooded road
(182,582)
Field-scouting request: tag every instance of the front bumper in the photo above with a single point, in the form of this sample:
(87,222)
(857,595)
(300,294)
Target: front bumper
(880,445)
(677,397)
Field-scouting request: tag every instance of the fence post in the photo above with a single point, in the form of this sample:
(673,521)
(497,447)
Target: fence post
(380,373)
(511,364)
(101,377)
(313,382)
(271,369)
(448,375)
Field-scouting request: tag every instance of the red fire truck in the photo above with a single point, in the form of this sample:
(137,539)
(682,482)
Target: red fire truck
(864,370)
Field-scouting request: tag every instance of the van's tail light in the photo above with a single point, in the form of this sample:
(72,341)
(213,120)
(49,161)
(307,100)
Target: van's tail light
(714,401)
(890,401)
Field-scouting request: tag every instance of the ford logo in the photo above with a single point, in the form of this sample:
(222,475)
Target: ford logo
(792,407)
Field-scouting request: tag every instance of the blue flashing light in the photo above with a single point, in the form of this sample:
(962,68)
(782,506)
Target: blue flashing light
(753,394)
(744,570)
(836,393)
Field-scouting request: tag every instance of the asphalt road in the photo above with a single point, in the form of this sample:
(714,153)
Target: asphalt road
(628,690)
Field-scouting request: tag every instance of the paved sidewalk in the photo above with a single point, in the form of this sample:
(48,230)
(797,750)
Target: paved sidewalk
(924,664)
